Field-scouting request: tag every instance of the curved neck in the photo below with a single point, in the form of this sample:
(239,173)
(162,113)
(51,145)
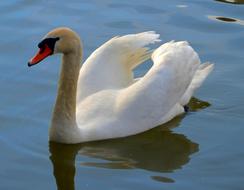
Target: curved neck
(64,113)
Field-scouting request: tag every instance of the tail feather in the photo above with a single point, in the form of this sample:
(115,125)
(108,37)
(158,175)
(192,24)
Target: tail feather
(200,75)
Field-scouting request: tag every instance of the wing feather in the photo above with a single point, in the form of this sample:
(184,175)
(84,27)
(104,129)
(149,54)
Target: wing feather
(111,65)
(153,96)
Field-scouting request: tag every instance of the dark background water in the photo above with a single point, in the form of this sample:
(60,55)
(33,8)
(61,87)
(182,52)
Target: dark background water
(200,150)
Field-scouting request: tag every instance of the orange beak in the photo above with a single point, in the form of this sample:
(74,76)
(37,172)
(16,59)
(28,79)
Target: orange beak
(42,54)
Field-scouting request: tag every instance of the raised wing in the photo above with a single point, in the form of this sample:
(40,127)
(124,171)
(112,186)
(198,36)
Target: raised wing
(111,65)
(159,91)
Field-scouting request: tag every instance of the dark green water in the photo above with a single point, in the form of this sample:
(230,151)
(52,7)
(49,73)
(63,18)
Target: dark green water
(200,150)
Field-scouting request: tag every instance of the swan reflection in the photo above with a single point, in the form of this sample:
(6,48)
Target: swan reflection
(159,150)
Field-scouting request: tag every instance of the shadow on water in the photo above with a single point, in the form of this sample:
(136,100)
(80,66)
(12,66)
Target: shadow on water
(159,150)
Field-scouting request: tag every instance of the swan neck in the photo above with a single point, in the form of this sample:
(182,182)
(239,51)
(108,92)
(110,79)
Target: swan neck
(64,113)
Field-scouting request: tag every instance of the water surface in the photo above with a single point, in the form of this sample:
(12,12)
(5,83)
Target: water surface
(202,149)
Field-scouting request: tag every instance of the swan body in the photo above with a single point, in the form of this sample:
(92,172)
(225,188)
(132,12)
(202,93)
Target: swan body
(103,100)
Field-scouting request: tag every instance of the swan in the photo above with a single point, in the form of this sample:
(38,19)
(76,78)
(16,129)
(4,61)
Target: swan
(102,100)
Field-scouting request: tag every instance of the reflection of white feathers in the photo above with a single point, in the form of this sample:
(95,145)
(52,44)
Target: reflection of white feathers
(111,103)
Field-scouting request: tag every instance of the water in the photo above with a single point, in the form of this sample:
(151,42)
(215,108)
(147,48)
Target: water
(200,150)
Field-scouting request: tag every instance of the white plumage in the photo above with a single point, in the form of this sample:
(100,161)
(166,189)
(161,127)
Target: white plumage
(116,106)
(110,102)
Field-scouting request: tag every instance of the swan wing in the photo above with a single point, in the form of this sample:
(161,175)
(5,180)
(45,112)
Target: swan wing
(111,65)
(149,100)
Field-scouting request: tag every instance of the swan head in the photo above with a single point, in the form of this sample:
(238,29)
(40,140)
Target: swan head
(60,40)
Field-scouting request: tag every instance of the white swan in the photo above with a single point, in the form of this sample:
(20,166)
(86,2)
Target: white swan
(102,100)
